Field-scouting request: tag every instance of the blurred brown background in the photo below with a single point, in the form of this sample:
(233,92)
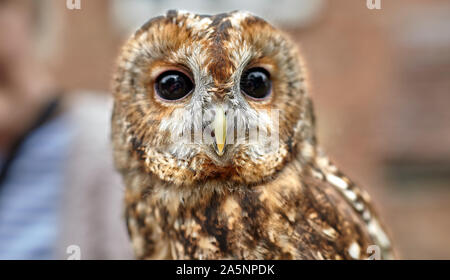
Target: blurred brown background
(380,80)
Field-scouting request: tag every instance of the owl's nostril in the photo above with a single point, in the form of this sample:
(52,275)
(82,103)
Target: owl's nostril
(213,134)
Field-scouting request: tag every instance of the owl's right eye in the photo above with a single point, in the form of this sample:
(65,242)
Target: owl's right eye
(173,85)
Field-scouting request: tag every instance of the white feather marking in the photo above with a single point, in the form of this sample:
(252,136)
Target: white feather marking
(376,231)
(354,250)
(336,181)
(350,195)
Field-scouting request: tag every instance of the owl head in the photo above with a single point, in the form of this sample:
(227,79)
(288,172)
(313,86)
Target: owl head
(200,98)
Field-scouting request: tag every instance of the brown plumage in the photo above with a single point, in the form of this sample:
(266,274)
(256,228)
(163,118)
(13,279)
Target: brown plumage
(204,200)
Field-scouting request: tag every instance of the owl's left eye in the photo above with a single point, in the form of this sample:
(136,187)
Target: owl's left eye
(173,85)
(256,83)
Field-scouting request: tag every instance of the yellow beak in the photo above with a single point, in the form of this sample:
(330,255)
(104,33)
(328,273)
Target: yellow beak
(220,130)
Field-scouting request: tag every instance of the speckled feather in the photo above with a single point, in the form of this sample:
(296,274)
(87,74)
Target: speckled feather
(185,202)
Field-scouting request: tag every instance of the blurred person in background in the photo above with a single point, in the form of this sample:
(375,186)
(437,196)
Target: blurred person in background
(57,184)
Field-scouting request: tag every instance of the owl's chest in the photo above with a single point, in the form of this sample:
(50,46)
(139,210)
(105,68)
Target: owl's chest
(224,229)
(288,218)
(252,225)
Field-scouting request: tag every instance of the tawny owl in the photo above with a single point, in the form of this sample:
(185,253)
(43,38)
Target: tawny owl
(214,134)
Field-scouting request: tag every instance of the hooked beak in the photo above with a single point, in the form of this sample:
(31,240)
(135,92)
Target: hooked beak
(220,130)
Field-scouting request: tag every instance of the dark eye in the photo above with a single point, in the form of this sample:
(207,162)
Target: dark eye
(256,83)
(173,85)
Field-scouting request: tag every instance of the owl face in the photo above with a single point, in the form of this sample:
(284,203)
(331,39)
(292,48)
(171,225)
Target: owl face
(201,98)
